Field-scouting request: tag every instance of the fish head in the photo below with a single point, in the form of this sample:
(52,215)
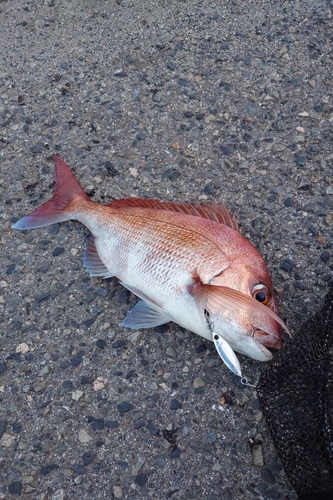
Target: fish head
(240,305)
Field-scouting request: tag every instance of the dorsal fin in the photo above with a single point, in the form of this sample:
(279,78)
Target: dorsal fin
(217,212)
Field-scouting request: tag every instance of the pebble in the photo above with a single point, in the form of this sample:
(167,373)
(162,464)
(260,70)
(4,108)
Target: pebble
(175,405)
(198,382)
(76,360)
(84,437)
(3,427)
(175,453)
(141,479)
(99,383)
(7,440)
(257,456)
(287,265)
(112,424)
(58,251)
(118,491)
(77,395)
(22,348)
(58,495)
(17,427)
(3,367)
(98,423)
(325,256)
(48,468)
(15,488)
(124,407)
(267,476)
(87,458)
(138,466)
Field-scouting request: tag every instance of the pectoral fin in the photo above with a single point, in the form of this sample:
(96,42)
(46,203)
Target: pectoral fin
(220,298)
(145,315)
(227,354)
(92,261)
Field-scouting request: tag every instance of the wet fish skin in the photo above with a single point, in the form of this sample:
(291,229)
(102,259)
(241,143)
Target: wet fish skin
(185,267)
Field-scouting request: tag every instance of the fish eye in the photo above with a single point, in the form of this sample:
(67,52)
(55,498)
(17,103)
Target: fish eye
(260,293)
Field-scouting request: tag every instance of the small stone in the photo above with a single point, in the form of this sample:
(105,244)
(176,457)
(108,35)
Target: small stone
(257,456)
(267,476)
(87,458)
(325,256)
(22,348)
(175,405)
(289,202)
(58,495)
(85,380)
(134,172)
(77,395)
(124,407)
(67,472)
(118,491)
(15,488)
(98,423)
(120,74)
(157,97)
(225,150)
(7,440)
(112,424)
(119,343)
(42,296)
(99,384)
(305,182)
(17,428)
(84,437)
(300,160)
(101,343)
(3,427)
(298,138)
(138,466)
(175,453)
(198,382)
(40,386)
(159,460)
(48,468)
(3,367)
(258,416)
(287,265)
(67,384)
(58,251)
(76,360)
(141,479)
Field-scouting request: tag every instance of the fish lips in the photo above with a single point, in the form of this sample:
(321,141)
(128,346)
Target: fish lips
(272,340)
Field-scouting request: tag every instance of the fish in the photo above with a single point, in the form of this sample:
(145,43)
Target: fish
(186,262)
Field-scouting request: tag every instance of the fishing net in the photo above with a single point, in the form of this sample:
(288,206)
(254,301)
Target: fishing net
(296,396)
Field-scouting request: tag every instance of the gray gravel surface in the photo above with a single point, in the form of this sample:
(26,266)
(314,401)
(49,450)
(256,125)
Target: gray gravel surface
(179,101)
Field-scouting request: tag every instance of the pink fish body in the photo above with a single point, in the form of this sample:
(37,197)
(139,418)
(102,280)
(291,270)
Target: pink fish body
(187,263)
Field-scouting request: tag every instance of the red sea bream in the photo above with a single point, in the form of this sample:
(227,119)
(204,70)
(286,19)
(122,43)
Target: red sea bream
(188,263)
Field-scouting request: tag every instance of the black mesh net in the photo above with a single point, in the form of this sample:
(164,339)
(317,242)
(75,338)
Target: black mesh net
(296,396)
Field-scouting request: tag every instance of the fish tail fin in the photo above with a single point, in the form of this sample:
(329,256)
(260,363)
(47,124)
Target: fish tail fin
(60,208)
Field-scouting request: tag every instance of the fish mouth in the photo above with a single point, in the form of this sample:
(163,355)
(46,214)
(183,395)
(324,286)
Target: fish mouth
(268,339)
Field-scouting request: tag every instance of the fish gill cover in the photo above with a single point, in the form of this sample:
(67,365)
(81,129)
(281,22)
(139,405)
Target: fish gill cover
(296,396)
